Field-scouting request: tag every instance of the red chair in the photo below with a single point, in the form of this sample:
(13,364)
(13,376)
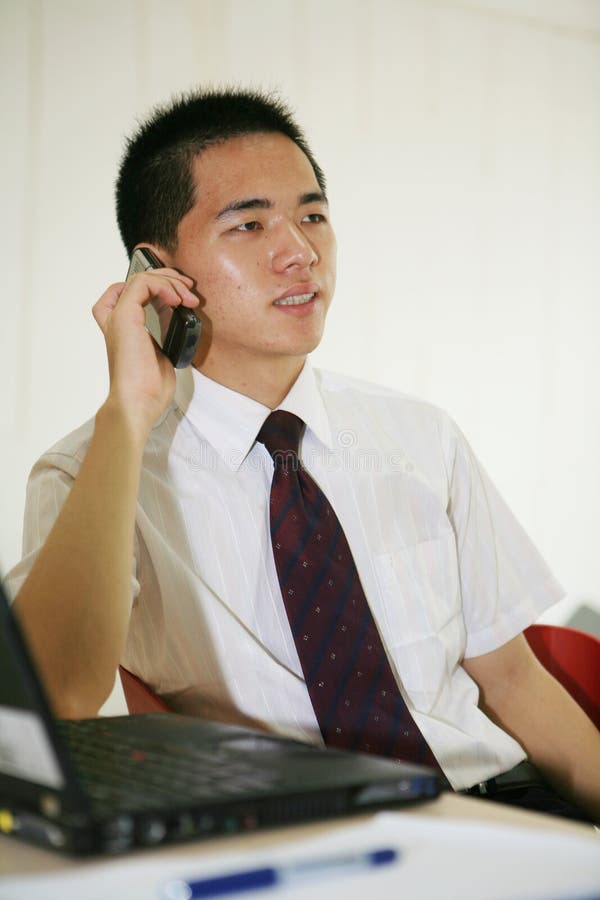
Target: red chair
(138,696)
(573,657)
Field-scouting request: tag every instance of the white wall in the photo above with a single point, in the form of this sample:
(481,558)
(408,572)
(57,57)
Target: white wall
(462,145)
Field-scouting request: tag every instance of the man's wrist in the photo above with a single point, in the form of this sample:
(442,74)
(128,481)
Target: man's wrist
(128,427)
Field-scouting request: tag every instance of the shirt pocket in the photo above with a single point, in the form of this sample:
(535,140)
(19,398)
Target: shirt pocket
(421,615)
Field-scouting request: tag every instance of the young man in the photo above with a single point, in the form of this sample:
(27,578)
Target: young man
(147,531)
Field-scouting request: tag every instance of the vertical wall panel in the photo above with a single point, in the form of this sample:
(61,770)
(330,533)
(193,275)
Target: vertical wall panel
(18,101)
(18,94)
(86,92)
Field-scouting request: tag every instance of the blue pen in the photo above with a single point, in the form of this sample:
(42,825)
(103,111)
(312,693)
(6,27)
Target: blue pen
(269,877)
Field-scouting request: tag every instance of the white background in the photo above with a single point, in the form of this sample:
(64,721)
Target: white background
(462,146)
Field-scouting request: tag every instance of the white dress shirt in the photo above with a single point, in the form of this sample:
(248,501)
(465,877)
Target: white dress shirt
(447,570)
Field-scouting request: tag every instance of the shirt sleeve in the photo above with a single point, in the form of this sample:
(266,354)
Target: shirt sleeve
(48,487)
(505,582)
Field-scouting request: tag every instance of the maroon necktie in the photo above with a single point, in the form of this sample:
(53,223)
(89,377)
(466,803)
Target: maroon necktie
(351,685)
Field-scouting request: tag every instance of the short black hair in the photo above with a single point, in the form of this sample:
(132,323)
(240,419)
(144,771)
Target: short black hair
(155,186)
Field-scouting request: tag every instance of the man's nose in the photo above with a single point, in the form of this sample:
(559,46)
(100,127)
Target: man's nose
(292,249)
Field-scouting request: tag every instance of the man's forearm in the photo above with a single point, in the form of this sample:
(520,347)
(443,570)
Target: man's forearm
(570,759)
(75,604)
(528,703)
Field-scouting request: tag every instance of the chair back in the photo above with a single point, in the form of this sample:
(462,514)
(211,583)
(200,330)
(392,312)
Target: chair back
(573,657)
(138,696)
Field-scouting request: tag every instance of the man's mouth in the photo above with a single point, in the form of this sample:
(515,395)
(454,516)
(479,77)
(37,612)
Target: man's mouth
(295,300)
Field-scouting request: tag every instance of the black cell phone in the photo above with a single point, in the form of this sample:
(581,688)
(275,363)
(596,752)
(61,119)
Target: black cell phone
(175,329)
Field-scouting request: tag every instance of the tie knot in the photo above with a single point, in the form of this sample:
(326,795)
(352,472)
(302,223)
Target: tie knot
(280,434)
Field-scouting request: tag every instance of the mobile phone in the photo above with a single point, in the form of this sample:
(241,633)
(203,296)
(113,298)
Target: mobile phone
(175,329)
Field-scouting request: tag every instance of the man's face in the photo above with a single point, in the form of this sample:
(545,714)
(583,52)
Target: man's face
(259,244)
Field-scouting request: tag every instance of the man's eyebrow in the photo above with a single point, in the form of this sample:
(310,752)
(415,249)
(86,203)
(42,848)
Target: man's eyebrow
(312,197)
(263,203)
(240,205)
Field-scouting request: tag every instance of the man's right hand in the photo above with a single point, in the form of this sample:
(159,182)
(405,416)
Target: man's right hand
(142,380)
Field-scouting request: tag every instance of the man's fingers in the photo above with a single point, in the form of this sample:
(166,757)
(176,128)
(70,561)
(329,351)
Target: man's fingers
(162,283)
(167,284)
(173,273)
(102,309)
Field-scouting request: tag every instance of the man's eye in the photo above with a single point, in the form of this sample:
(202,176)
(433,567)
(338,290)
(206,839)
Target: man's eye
(248,226)
(314,217)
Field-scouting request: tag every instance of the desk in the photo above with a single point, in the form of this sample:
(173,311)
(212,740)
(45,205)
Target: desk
(454,846)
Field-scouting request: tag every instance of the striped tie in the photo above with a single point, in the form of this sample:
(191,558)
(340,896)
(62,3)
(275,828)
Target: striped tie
(352,688)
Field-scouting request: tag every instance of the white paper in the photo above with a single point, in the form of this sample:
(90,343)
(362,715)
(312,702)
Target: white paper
(438,858)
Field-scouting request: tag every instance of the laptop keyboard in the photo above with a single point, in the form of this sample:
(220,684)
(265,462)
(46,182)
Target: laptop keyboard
(120,770)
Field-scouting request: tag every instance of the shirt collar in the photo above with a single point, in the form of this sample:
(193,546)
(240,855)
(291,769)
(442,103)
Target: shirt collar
(230,421)
(305,401)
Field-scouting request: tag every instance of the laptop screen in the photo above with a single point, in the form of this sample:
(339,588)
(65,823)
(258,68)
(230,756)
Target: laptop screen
(26,750)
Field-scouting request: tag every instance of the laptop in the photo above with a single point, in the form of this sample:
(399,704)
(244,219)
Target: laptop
(107,785)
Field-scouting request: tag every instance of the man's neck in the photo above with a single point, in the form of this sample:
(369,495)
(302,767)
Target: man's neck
(267,382)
